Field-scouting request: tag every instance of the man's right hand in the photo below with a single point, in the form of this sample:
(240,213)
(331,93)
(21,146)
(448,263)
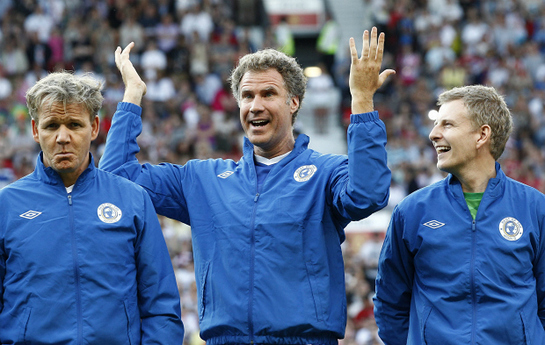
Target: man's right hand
(135,88)
(364,72)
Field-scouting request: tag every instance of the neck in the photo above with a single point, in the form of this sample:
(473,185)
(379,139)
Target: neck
(276,151)
(477,181)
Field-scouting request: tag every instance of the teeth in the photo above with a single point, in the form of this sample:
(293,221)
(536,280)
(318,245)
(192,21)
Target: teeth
(259,122)
(441,149)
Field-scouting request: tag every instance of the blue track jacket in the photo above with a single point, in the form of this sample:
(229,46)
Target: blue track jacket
(268,265)
(446,279)
(89,267)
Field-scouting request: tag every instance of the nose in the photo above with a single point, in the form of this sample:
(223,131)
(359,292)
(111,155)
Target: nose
(63,135)
(435,134)
(257,105)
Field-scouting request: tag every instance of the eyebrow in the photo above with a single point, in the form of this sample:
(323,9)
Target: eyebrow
(268,88)
(436,122)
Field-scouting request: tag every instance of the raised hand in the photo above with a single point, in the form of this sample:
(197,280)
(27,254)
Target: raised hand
(135,88)
(364,72)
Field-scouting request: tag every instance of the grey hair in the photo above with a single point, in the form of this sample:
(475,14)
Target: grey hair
(485,106)
(262,60)
(66,88)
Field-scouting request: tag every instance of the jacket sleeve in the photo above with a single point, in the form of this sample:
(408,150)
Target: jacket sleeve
(539,272)
(162,182)
(394,283)
(364,187)
(2,253)
(158,296)
(2,273)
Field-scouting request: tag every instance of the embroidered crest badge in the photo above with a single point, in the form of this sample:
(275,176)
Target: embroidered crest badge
(511,229)
(109,213)
(304,173)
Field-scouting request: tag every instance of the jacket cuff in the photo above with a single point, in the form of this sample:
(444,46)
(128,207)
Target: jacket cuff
(129,107)
(364,117)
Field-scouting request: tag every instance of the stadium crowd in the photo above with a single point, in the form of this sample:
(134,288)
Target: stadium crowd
(185,50)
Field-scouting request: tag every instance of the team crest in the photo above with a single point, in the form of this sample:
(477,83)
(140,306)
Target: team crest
(109,213)
(304,173)
(510,229)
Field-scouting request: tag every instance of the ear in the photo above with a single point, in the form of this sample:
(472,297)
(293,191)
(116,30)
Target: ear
(35,131)
(484,136)
(95,128)
(294,104)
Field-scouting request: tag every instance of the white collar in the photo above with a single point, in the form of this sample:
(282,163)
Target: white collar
(271,161)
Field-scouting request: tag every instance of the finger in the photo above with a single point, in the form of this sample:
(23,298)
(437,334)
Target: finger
(384,75)
(353,52)
(128,48)
(365,48)
(373,44)
(380,47)
(117,54)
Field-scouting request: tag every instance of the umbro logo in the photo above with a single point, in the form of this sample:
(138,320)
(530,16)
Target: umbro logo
(434,224)
(226,174)
(30,214)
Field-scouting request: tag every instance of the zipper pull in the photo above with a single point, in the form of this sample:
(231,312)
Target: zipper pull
(70,199)
(473,227)
(256,197)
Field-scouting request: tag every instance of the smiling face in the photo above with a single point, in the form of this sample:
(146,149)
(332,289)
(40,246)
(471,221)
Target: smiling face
(455,139)
(266,112)
(65,135)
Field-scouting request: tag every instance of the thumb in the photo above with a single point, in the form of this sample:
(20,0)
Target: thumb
(384,75)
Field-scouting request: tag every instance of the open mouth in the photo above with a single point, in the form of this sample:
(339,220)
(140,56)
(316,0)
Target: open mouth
(259,123)
(442,149)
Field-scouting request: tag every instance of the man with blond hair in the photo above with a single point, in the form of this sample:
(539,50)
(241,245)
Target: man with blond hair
(463,261)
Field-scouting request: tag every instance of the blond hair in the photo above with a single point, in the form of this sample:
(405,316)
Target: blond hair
(66,88)
(485,106)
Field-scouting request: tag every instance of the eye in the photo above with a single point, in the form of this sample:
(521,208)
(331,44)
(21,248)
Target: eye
(51,126)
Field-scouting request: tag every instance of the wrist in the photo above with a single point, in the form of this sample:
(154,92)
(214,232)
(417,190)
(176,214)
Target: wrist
(134,95)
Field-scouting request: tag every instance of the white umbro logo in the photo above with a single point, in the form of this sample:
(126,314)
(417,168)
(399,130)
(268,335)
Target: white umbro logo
(226,174)
(30,214)
(434,224)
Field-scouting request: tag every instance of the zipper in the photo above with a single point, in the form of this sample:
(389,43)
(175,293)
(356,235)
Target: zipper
(76,271)
(252,269)
(472,280)
(252,256)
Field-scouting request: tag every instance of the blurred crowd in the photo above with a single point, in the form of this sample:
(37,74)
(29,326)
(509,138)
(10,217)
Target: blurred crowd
(185,50)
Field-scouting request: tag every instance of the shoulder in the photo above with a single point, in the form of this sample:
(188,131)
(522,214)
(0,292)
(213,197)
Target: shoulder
(210,162)
(18,185)
(213,166)
(111,181)
(323,158)
(520,190)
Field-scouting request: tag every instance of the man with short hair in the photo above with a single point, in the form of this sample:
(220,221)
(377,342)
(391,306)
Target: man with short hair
(463,261)
(266,230)
(82,256)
